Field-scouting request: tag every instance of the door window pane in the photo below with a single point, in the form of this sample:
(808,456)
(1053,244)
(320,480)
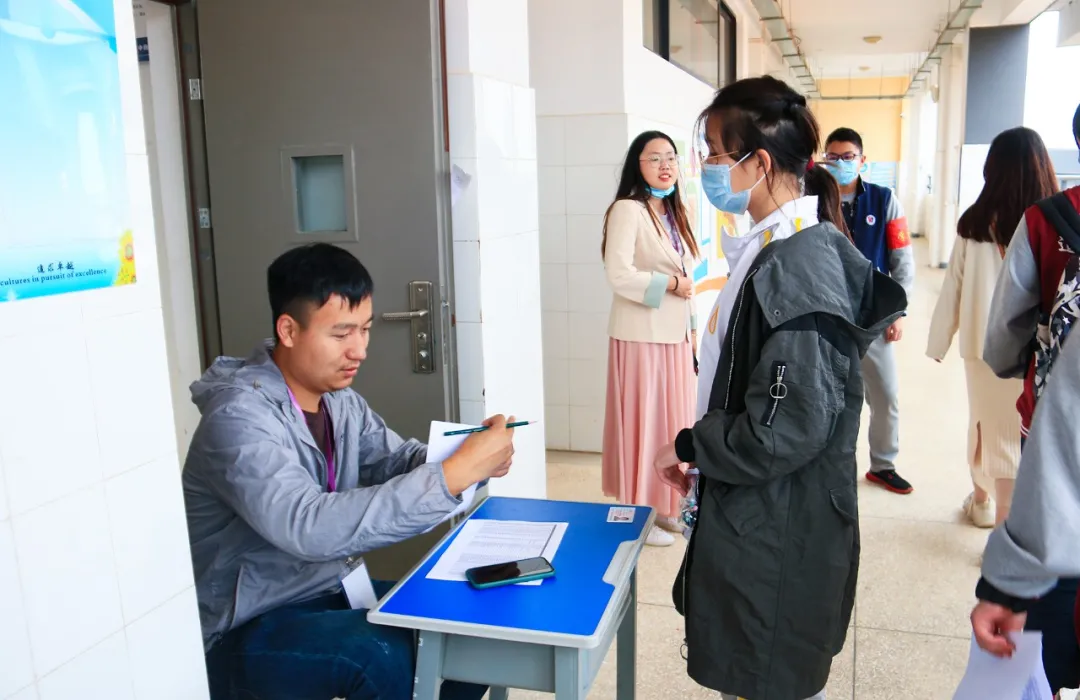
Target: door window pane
(320,193)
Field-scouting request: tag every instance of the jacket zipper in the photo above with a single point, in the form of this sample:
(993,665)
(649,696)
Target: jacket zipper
(734,327)
(727,399)
(777,391)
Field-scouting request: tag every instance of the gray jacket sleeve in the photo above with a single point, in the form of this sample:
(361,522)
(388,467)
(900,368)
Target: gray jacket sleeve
(793,402)
(1014,311)
(901,252)
(385,453)
(247,462)
(902,267)
(1040,540)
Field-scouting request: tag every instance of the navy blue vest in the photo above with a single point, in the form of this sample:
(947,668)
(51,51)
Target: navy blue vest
(866,218)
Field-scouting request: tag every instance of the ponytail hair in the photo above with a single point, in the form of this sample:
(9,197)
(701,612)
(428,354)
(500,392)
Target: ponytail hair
(819,183)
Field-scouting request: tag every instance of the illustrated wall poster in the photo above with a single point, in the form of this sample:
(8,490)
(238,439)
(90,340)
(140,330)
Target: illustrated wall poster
(65,214)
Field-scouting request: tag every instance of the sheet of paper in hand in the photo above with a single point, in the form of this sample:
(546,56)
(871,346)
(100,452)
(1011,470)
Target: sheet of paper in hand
(1018,678)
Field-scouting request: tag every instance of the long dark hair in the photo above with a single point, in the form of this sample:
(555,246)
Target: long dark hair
(765,114)
(819,183)
(632,185)
(1018,173)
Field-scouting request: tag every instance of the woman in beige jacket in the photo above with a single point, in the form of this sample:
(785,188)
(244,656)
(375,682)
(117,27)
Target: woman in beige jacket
(1018,173)
(649,251)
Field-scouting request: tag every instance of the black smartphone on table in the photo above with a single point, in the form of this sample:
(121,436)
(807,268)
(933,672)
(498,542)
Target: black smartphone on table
(522,571)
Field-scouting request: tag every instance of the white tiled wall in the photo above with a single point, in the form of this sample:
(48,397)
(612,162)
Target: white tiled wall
(577,64)
(580,157)
(96,590)
(597,87)
(497,273)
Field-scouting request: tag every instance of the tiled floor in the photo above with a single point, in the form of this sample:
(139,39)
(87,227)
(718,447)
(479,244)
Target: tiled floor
(919,563)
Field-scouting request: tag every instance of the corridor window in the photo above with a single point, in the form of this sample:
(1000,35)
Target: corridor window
(696,35)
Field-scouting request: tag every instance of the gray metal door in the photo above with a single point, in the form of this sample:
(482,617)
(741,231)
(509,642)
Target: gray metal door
(325,122)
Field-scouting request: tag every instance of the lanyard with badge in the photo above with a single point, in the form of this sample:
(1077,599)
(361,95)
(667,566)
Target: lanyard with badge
(356,583)
(677,244)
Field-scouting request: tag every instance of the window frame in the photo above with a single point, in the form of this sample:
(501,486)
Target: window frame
(727,66)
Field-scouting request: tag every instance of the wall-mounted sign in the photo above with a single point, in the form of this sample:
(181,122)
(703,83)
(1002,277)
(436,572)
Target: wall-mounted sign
(65,214)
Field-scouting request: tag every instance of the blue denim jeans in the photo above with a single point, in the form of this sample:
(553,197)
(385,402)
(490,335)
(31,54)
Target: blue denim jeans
(1053,616)
(318,650)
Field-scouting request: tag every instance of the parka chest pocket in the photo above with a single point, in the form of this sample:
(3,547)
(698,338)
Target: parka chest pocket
(743,507)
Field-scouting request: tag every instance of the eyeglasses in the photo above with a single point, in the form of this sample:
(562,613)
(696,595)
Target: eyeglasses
(846,157)
(671,160)
(715,158)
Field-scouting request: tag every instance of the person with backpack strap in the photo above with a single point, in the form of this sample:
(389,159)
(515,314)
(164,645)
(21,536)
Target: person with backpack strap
(1036,303)
(1040,541)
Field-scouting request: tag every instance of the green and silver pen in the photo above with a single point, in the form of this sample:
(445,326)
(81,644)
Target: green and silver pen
(482,428)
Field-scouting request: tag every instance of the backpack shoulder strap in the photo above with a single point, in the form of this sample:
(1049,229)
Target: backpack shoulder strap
(1062,215)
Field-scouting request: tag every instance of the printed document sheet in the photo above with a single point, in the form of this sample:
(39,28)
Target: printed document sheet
(1018,678)
(440,447)
(485,542)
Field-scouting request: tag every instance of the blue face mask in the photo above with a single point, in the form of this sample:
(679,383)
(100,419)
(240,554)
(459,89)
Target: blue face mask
(660,194)
(845,171)
(716,181)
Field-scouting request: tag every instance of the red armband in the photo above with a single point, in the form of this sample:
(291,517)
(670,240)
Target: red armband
(897,234)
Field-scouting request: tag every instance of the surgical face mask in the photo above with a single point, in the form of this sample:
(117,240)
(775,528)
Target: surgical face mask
(660,194)
(845,171)
(716,181)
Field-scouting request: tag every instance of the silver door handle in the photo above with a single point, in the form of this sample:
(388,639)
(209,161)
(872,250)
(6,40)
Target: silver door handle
(405,315)
(422,343)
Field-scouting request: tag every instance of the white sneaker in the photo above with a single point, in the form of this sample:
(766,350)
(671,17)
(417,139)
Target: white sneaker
(670,524)
(659,538)
(980,514)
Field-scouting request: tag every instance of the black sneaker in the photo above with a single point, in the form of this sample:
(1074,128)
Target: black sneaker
(889,479)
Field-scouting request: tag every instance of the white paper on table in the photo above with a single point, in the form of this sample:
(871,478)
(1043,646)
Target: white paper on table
(1018,678)
(459,182)
(440,447)
(486,542)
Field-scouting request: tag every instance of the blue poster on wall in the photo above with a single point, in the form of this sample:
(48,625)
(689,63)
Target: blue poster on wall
(65,215)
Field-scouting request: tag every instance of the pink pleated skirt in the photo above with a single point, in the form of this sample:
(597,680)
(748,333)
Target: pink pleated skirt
(651,395)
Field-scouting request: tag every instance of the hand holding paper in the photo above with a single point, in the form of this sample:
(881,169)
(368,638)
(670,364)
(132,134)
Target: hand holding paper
(994,626)
(1020,677)
(472,461)
(469,459)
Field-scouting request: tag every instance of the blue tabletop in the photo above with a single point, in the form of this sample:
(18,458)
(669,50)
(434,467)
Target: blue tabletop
(570,603)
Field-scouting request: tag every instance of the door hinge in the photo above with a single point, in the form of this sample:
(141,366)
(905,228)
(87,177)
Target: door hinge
(195,88)
(204,217)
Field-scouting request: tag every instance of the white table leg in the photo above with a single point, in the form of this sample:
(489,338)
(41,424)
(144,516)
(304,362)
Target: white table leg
(429,658)
(626,658)
(568,670)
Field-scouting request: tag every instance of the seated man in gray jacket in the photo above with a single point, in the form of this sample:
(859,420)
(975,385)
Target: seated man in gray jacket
(289,478)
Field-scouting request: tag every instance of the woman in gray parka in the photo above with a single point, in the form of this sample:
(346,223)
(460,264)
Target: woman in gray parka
(768,582)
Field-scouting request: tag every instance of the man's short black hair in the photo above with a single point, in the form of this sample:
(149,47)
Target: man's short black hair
(845,135)
(1076,124)
(305,278)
